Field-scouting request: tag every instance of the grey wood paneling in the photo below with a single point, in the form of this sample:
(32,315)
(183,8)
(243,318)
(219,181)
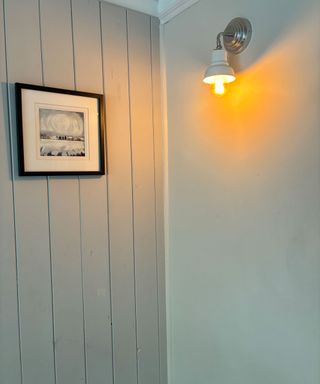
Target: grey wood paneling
(56,43)
(85,301)
(64,211)
(67,280)
(140,74)
(93,206)
(9,335)
(31,206)
(87,45)
(115,59)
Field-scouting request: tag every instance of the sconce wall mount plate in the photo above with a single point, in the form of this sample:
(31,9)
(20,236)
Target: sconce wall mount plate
(237,35)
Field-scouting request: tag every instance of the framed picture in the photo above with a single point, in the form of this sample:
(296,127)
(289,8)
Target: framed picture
(60,132)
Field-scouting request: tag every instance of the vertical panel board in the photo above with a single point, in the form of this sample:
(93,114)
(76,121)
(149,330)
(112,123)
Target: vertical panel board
(64,210)
(31,206)
(57,52)
(114,32)
(66,263)
(9,331)
(144,196)
(93,207)
(87,45)
(158,165)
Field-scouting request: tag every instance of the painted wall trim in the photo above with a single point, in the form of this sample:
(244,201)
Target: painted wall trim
(164,109)
(145,6)
(163,9)
(174,9)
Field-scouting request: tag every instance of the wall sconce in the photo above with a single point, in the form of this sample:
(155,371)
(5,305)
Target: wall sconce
(236,38)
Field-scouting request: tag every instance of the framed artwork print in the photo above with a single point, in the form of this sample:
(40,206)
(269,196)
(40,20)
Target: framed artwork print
(60,132)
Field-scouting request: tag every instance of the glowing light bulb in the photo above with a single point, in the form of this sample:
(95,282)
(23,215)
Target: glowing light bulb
(219,72)
(219,87)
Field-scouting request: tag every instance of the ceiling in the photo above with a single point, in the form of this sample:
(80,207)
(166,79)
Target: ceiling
(164,9)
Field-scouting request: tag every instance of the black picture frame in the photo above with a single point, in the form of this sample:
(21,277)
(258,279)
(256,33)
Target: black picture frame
(59,131)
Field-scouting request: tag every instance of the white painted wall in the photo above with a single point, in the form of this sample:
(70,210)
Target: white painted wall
(244,198)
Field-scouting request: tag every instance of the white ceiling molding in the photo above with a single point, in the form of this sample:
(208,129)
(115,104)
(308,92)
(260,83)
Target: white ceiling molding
(164,9)
(169,10)
(146,6)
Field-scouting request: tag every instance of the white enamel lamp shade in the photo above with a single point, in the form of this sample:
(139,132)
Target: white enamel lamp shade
(219,69)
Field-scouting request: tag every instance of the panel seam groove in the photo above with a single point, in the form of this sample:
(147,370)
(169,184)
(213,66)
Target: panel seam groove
(49,221)
(73,47)
(13,189)
(155,197)
(132,199)
(52,289)
(40,38)
(82,288)
(80,215)
(108,201)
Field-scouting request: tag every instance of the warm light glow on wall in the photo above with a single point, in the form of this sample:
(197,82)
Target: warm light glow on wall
(247,118)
